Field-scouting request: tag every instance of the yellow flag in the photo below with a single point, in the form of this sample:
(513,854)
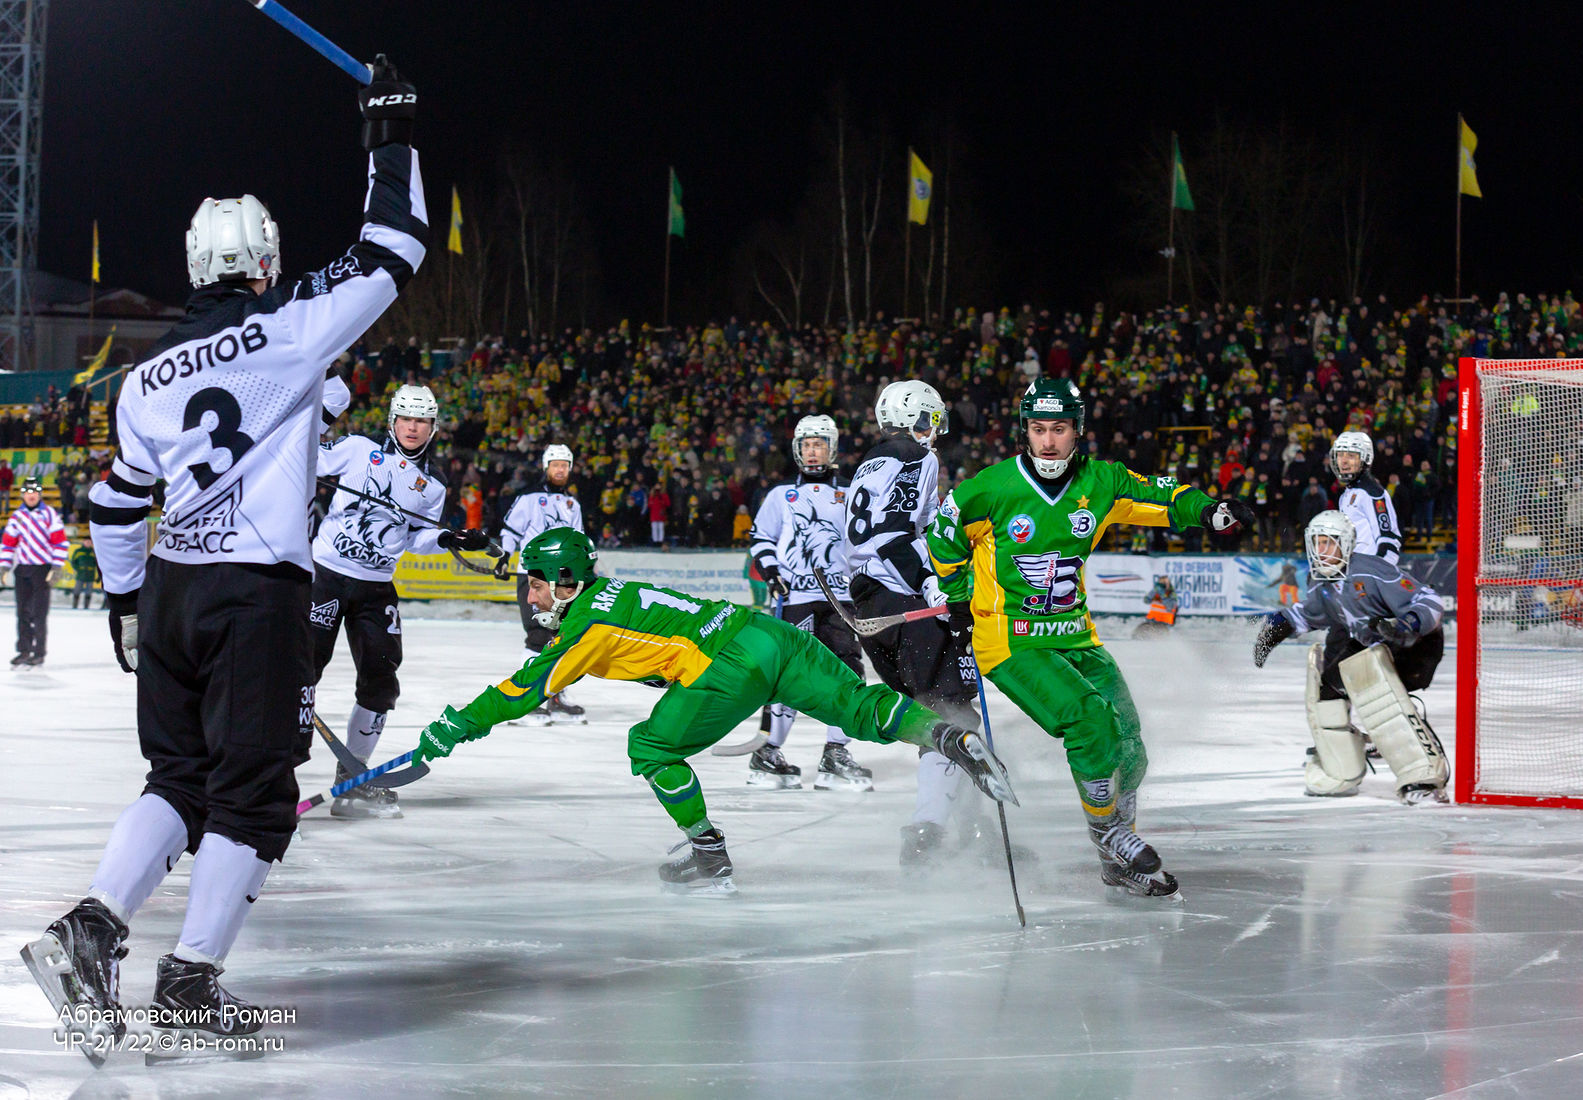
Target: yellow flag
(96,362)
(95,275)
(919,188)
(456,221)
(1467,180)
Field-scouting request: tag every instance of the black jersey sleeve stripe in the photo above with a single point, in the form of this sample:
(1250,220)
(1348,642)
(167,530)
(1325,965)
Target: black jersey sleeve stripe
(126,488)
(106,516)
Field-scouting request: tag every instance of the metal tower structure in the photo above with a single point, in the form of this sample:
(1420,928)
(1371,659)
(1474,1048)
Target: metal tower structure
(22,25)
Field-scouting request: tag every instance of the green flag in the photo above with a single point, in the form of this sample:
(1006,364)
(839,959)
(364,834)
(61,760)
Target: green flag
(676,223)
(1181,197)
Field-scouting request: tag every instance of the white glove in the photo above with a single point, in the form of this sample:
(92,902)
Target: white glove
(931,592)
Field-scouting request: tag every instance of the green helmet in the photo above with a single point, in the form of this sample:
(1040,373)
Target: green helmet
(560,555)
(1052,399)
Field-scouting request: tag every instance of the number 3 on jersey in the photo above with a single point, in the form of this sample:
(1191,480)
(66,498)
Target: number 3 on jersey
(216,411)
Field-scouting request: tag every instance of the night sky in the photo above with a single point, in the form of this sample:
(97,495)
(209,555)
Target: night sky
(151,106)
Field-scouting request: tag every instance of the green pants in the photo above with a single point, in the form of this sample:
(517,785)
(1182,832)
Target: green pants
(769,661)
(1080,696)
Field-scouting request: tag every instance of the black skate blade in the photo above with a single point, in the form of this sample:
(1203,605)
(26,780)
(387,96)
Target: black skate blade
(191,1047)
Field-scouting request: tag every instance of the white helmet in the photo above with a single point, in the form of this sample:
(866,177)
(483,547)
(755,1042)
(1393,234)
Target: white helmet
(1357,443)
(815,427)
(1330,524)
(556,452)
(912,406)
(418,403)
(231,240)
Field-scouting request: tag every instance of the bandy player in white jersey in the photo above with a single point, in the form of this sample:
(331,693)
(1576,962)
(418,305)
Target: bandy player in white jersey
(225,410)
(1364,500)
(891,503)
(799,528)
(355,555)
(544,508)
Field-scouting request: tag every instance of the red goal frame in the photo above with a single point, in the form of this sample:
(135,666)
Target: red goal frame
(1470,486)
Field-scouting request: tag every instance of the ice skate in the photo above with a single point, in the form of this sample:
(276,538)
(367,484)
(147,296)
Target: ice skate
(1125,860)
(922,845)
(1423,794)
(768,768)
(839,772)
(704,870)
(539,716)
(564,710)
(967,750)
(19,661)
(191,1006)
(77,965)
(1160,884)
(364,801)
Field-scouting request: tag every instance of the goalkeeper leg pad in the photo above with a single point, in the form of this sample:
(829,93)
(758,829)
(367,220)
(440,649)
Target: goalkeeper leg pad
(1389,717)
(1336,763)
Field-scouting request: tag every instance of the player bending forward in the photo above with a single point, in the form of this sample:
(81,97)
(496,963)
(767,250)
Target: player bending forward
(549,506)
(797,530)
(1009,546)
(892,501)
(355,555)
(1384,640)
(226,411)
(721,662)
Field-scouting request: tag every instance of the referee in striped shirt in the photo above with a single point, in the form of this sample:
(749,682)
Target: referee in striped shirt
(32,548)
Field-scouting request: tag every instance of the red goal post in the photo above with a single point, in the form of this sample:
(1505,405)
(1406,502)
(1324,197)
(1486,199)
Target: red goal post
(1520,582)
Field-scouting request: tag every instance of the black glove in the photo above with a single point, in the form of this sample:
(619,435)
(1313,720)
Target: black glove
(471,539)
(1397,632)
(123,628)
(504,565)
(389,105)
(1277,628)
(773,581)
(1227,517)
(960,621)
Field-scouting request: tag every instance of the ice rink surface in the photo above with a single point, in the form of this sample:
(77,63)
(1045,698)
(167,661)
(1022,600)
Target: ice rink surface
(509,936)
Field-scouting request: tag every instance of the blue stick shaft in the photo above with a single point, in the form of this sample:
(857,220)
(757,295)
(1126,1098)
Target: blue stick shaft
(358,780)
(339,57)
(983,706)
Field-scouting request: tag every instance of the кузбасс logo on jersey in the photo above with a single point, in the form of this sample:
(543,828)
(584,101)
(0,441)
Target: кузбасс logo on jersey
(1021,527)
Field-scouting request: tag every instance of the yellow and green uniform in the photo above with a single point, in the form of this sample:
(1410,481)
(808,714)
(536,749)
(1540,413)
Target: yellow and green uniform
(1014,544)
(720,662)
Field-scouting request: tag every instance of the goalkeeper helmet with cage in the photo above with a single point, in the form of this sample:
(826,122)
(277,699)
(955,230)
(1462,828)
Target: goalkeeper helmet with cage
(1051,399)
(563,557)
(413,403)
(232,241)
(1329,539)
(815,428)
(912,406)
(1352,443)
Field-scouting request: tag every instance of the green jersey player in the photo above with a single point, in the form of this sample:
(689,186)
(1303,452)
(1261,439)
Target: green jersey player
(719,662)
(1009,546)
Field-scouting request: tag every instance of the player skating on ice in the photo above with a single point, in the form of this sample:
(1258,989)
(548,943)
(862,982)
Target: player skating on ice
(32,550)
(542,509)
(890,504)
(355,555)
(1009,546)
(799,529)
(720,661)
(226,410)
(1384,639)
(1162,603)
(1364,500)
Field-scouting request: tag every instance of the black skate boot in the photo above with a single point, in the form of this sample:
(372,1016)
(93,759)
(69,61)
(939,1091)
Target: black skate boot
(922,845)
(189,1004)
(564,710)
(364,801)
(20,660)
(768,768)
(77,965)
(705,869)
(839,772)
(967,750)
(1125,860)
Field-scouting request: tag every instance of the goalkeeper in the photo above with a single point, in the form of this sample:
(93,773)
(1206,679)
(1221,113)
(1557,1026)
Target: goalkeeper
(721,663)
(1009,546)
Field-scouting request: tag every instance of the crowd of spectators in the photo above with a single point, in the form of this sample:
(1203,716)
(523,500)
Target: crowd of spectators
(49,420)
(679,433)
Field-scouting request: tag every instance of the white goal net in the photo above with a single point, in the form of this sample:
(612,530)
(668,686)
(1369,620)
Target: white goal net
(1523,712)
